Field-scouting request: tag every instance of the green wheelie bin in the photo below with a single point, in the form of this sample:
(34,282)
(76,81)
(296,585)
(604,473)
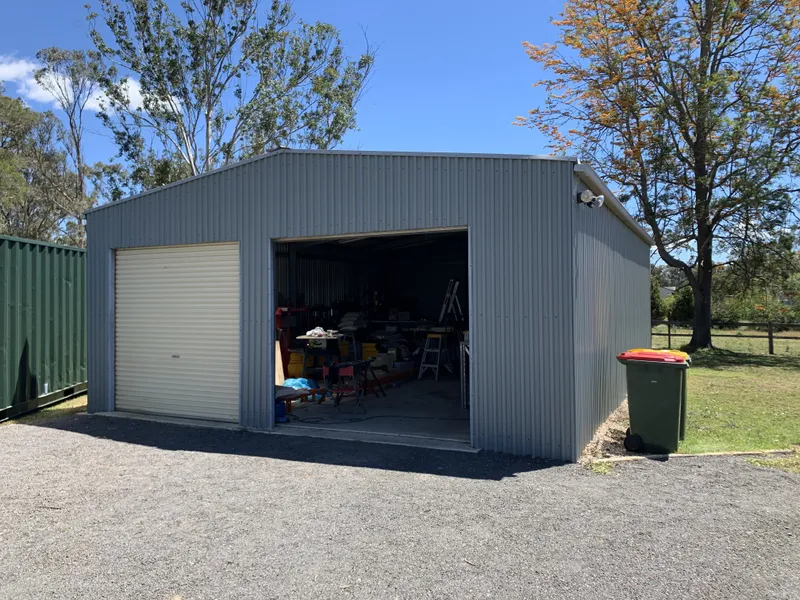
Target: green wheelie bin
(656,399)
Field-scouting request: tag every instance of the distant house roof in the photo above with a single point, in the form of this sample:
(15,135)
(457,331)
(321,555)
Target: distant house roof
(665,291)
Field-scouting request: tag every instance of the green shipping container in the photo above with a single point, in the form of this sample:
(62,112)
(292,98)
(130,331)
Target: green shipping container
(42,323)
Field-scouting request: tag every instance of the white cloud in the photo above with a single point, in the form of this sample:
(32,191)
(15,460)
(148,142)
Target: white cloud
(12,69)
(134,89)
(29,88)
(20,72)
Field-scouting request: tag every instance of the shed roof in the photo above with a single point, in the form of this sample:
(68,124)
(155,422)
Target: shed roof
(584,172)
(269,155)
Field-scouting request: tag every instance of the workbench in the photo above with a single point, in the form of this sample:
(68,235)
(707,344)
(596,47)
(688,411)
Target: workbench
(327,352)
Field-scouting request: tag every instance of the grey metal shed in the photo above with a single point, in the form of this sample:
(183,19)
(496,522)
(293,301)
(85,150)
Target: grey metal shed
(556,288)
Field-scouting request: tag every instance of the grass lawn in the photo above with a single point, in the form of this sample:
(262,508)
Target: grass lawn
(740,397)
(746,345)
(738,401)
(68,407)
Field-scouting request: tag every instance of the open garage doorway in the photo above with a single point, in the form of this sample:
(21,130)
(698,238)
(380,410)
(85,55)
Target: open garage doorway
(372,336)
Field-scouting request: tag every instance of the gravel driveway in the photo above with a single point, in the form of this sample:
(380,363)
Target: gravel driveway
(95,507)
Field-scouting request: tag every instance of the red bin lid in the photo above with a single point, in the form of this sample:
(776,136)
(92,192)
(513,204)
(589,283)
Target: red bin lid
(662,356)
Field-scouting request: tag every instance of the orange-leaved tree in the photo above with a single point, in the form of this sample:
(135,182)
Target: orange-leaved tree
(692,108)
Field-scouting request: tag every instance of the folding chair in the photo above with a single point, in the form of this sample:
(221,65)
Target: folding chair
(349,380)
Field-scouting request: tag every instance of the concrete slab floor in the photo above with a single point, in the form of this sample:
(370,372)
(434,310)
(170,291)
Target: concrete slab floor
(373,438)
(425,409)
(121,414)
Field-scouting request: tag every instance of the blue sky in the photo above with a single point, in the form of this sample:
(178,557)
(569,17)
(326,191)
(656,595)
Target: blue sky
(449,76)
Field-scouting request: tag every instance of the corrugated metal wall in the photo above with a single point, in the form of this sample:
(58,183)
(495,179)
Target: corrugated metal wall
(42,319)
(612,312)
(321,281)
(518,212)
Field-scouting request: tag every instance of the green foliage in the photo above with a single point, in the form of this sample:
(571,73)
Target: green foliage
(761,286)
(110,181)
(668,276)
(156,169)
(70,77)
(767,267)
(34,174)
(691,108)
(755,308)
(657,309)
(680,305)
(180,98)
(16,123)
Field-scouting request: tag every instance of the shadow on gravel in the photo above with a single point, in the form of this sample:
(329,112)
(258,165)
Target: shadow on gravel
(483,465)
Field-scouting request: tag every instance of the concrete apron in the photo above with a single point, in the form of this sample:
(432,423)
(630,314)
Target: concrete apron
(296,430)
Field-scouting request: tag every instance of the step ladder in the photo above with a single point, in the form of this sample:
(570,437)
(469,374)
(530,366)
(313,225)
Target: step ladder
(451,305)
(432,355)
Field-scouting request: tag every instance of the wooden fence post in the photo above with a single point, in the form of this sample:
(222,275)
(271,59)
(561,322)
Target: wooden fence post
(771,342)
(669,334)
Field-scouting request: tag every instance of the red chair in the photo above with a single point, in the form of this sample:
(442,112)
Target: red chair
(349,380)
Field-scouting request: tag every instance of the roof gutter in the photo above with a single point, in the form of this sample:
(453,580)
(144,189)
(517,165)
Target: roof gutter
(588,176)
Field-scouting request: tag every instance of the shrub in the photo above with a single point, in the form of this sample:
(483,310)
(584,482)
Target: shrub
(680,305)
(754,308)
(656,303)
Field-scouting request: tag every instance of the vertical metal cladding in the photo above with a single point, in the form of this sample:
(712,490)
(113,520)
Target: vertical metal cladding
(520,310)
(42,319)
(519,215)
(612,312)
(321,281)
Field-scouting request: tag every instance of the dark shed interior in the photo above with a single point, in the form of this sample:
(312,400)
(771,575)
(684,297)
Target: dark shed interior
(386,298)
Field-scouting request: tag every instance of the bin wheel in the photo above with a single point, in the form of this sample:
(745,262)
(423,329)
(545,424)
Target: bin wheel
(633,442)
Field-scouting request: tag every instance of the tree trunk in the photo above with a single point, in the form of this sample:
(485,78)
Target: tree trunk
(701,330)
(701,325)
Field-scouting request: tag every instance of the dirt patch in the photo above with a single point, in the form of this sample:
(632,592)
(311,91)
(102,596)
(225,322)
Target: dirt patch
(607,440)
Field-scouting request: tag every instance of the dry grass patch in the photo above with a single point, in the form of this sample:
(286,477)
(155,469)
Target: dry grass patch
(56,411)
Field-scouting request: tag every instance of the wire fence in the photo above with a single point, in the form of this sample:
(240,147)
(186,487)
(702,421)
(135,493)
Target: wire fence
(771,333)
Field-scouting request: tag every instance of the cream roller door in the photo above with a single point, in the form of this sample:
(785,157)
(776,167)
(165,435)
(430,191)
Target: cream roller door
(177,331)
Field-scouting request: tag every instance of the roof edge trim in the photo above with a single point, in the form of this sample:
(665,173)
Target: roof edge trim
(592,180)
